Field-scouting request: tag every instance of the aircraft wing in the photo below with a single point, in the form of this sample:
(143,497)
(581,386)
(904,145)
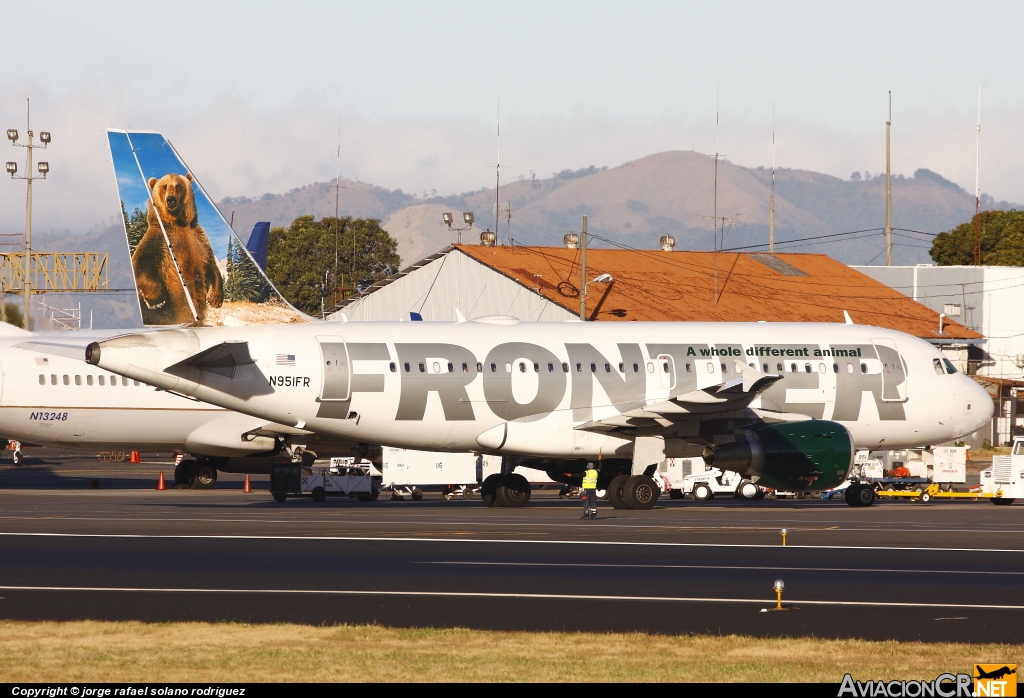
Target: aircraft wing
(729,396)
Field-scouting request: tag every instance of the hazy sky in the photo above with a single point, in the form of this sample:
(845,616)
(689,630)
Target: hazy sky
(250,92)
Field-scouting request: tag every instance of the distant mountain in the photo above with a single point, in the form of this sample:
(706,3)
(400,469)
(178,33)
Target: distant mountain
(638,202)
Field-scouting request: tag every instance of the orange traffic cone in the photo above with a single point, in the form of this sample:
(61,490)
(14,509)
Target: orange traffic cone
(136,458)
(160,483)
(247,489)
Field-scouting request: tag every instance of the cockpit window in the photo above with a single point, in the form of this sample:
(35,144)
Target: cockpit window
(950,368)
(937,365)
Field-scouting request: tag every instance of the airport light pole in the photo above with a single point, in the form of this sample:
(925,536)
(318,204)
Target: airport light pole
(43,168)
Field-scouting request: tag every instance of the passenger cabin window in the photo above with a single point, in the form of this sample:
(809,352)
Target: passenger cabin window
(807,368)
(792,368)
(42,379)
(849,368)
(451,369)
(622,367)
(78,380)
(101,379)
(406,366)
(551,368)
(765,368)
(822,369)
(522,367)
(53,379)
(650,367)
(67,381)
(593,368)
(835,368)
(664,367)
(494,368)
(565,367)
(422,368)
(508,367)
(937,365)
(863,368)
(779,368)
(950,368)
(725,369)
(607,368)
(536,368)
(687,368)
(479,367)
(636,368)
(579,368)
(391,366)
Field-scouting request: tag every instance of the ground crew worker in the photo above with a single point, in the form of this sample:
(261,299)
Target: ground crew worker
(590,492)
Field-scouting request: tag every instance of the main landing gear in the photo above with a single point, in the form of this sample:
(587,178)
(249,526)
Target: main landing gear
(196,475)
(633,492)
(859,494)
(511,490)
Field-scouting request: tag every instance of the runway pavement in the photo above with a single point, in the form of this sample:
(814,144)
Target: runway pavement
(938,571)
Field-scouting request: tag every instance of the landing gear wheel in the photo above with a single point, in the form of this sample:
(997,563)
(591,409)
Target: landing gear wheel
(417,494)
(319,494)
(747,491)
(488,489)
(188,473)
(675,494)
(513,491)
(204,476)
(702,493)
(18,458)
(180,474)
(615,492)
(640,492)
(1003,501)
(860,495)
(279,498)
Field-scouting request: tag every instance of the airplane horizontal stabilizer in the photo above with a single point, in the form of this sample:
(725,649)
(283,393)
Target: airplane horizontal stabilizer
(221,359)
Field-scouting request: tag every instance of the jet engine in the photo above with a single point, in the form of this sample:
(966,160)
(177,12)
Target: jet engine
(793,455)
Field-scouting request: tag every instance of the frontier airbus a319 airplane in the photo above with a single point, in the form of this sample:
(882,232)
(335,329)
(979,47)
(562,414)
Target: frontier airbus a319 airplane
(784,404)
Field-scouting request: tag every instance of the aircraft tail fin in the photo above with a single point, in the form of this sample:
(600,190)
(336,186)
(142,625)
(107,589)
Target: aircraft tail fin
(189,267)
(258,242)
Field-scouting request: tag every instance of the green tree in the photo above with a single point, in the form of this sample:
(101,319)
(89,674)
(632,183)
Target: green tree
(135,227)
(1002,241)
(300,256)
(245,281)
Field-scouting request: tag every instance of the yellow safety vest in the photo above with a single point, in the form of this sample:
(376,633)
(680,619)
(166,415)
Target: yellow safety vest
(590,480)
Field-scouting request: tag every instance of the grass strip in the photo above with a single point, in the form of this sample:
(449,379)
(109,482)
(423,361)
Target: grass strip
(210,652)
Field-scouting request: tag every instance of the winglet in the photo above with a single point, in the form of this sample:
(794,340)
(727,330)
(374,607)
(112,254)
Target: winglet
(849,320)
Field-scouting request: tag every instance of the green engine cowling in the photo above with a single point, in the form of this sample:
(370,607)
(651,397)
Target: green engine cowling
(795,455)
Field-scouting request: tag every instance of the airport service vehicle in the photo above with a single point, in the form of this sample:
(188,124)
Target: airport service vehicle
(1001,483)
(319,482)
(780,403)
(704,486)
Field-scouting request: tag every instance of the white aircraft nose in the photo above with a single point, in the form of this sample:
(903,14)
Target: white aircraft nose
(982,405)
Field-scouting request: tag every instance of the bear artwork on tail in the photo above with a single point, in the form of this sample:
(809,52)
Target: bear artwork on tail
(161,294)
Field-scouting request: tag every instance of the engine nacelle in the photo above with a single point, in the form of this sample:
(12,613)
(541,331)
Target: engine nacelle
(793,455)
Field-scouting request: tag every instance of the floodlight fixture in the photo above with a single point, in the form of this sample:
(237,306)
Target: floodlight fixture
(447,218)
(12,168)
(44,136)
(603,279)
(12,134)
(43,167)
(469,218)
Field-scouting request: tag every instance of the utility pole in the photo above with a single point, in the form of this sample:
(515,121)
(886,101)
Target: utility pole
(771,207)
(888,191)
(29,177)
(583,271)
(977,187)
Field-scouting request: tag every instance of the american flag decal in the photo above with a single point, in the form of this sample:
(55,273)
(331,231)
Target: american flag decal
(42,361)
(286,359)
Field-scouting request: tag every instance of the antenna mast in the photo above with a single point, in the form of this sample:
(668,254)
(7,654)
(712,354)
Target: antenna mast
(497,174)
(977,187)
(888,191)
(771,207)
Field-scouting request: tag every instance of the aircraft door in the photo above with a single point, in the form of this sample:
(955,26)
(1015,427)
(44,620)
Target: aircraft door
(337,369)
(894,372)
